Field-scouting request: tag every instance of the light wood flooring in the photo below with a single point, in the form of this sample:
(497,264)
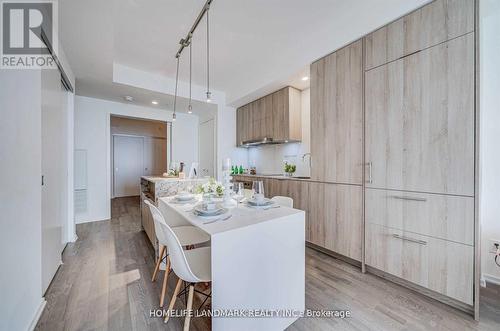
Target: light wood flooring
(105,284)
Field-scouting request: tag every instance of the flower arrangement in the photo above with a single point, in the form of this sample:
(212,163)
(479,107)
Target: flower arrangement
(211,187)
(289,168)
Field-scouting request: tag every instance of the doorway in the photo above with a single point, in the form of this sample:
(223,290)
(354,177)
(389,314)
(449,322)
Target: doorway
(138,148)
(128,165)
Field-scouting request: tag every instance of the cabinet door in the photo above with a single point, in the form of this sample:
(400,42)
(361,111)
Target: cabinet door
(257,118)
(239,126)
(267,116)
(337,116)
(315,226)
(247,122)
(439,21)
(280,114)
(443,266)
(420,121)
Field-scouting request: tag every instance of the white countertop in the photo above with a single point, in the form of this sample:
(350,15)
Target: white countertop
(156,179)
(242,215)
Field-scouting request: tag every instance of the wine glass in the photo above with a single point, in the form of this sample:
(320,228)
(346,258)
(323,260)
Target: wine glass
(239,194)
(258,190)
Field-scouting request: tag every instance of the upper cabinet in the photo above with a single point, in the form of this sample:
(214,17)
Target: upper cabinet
(276,116)
(420,121)
(430,25)
(337,116)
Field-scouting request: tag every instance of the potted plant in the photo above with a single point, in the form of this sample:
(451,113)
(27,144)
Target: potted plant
(289,169)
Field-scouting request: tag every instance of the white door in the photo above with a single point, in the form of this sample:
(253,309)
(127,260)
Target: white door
(207,148)
(128,165)
(54,172)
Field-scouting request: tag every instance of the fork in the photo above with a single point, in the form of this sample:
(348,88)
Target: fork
(219,219)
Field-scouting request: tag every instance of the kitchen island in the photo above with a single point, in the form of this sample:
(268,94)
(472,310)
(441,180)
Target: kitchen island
(155,187)
(257,264)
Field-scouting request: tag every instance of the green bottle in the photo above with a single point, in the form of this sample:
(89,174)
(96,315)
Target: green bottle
(241,170)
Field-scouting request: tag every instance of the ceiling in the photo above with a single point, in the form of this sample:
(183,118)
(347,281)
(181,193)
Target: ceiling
(256,46)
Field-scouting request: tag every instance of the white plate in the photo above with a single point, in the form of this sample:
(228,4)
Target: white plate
(201,210)
(264,202)
(184,197)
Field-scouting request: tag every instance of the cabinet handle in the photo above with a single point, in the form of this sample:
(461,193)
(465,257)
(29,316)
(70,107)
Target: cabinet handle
(409,198)
(417,241)
(370,178)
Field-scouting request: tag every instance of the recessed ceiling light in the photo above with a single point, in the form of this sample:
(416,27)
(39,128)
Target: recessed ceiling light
(305,78)
(128,98)
(154,102)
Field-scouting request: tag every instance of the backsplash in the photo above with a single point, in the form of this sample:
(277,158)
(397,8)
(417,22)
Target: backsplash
(268,159)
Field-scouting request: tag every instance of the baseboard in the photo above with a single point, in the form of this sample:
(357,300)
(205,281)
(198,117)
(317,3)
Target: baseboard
(333,254)
(423,291)
(491,279)
(38,313)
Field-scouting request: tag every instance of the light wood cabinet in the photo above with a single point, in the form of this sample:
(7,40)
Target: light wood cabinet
(446,217)
(420,121)
(276,116)
(428,26)
(337,116)
(442,266)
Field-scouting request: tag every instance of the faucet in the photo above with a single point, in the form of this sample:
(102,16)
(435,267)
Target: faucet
(304,157)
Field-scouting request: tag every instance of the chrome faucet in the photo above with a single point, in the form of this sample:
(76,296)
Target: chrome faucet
(304,157)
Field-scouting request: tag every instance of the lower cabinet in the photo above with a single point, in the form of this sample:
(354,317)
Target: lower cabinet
(333,212)
(147,221)
(442,266)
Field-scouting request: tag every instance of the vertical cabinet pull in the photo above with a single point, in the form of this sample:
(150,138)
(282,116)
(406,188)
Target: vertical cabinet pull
(417,241)
(370,178)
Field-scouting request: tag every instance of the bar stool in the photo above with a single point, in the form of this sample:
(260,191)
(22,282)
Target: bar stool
(188,236)
(283,201)
(192,266)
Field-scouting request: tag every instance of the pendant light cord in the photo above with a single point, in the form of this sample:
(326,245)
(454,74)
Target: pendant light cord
(208,55)
(176,83)
(190,73)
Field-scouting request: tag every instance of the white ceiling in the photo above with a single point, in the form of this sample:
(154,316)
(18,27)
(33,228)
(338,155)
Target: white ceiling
(256,46)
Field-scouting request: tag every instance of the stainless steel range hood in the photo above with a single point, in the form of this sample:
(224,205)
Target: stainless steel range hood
(263,141)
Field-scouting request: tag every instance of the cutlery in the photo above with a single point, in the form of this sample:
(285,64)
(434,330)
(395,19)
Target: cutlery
(219,219)
(267,208)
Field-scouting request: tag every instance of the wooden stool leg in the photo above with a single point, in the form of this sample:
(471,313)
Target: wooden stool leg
(164,287)
(157,266)
(174,298)
(189,308)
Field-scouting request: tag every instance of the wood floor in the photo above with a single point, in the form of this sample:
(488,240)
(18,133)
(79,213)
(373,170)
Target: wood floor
(105,284)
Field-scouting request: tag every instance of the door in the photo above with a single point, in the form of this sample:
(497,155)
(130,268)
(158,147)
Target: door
(155,156)
(207,148)
(128,154)
(420,121)
(54,171)
(337,116)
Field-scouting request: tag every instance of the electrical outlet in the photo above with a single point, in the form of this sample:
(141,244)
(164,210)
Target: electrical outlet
(493,248)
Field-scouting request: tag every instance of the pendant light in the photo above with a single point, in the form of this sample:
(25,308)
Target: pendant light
(209,95)
(174,116)
(190,106)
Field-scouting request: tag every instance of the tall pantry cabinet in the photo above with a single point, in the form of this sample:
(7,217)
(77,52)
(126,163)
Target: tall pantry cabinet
(406,136)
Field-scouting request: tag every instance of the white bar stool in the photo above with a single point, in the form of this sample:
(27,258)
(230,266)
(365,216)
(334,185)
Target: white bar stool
(188,236)
(192,266)
(283,201)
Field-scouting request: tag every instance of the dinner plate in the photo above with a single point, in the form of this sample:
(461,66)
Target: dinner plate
(201,210)
(184,197)
(264,202)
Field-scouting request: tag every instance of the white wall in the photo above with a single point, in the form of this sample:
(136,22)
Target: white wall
(92,133)
(490,133)
(269,158)
(20,198)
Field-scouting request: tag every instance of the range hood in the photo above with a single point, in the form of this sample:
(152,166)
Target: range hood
(263,141)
